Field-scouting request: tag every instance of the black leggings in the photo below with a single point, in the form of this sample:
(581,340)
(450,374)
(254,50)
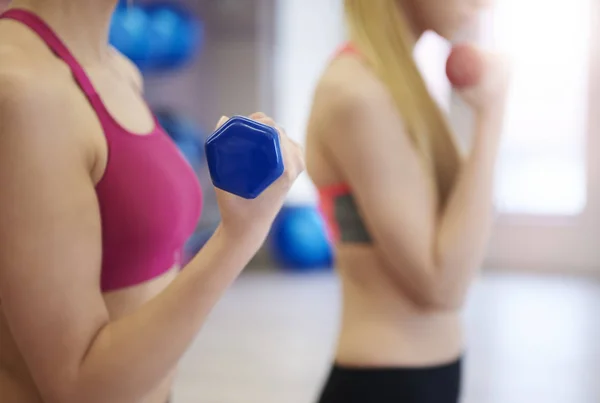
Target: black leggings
(439,384)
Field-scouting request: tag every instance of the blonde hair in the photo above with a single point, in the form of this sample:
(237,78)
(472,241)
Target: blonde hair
(380,31)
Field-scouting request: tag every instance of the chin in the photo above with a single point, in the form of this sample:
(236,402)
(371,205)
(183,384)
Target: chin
(447,34)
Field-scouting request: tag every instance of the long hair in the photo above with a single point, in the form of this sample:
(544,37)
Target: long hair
(381,32)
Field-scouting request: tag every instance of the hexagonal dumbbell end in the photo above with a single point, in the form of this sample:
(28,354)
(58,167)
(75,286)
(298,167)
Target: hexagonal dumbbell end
(244,157)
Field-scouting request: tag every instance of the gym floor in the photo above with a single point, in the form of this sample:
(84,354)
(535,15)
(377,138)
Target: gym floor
(531,339)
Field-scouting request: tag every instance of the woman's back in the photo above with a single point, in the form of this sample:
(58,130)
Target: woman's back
(383,324)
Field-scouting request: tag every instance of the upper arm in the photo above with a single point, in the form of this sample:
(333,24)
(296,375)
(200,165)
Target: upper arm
(50,243)
(376,157)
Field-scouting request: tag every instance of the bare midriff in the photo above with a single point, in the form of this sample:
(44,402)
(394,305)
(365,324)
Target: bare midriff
(380,326)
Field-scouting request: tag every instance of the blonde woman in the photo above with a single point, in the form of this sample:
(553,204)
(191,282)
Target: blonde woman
(408,214)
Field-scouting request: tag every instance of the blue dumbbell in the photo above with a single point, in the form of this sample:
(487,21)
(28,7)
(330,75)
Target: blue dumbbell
(244,157)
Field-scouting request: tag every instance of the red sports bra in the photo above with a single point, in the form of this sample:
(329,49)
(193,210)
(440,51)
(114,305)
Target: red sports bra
(149,197)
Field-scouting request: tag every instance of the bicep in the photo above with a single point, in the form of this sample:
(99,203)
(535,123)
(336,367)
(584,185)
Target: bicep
(389,184)
(50,248)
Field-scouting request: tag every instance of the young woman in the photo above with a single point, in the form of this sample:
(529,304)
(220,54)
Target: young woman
(408,214)
(96,205)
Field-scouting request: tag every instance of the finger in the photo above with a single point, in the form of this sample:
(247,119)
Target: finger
(258,115)
(270,122)
(267,121)
(222,121)
(293,153)
(287,139)
(280,130)
(296,152)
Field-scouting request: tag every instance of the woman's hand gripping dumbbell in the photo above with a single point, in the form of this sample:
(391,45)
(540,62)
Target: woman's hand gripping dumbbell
(253,164)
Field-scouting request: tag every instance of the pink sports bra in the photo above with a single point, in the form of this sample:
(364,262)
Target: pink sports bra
(149,197)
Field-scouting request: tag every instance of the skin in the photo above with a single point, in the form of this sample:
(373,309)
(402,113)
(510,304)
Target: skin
(61,339)
(402,294)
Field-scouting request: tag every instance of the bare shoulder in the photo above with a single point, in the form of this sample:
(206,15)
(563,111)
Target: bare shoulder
(352,84)
(28,95)
(129,69)
(349,92)
(36,112)
(23,90)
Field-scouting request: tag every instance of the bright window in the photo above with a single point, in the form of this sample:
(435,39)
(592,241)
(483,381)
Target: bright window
(542,166)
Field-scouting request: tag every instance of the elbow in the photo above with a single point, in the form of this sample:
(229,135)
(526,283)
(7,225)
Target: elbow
(60,393)
(423,282)
(447,302)
(428,296)
(67,391)
(70,391)
(436,295)
(77,380)
(432,298)
(430,293)
(57,385)
(418,283)
(72,395)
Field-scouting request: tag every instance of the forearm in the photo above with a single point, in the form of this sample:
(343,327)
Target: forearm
(130,356)
(465,223)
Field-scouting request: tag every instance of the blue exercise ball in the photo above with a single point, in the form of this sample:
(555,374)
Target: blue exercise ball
(299,240)
(128,34)
(186,135)
(176,36)
(156,37)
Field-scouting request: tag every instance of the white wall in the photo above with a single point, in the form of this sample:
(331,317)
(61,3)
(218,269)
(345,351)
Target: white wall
(307,34)
(547,187)
(431,53)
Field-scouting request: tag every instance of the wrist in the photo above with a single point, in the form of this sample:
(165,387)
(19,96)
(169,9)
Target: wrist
(492,112)
(251,235)
(227,250)
(488,132)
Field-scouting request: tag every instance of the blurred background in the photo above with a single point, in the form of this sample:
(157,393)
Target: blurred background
(533,317)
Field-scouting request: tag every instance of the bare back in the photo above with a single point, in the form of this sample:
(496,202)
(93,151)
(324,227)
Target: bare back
(29,66)
(355,136)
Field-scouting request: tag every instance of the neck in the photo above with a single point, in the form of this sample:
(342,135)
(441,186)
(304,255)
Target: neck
(82,24)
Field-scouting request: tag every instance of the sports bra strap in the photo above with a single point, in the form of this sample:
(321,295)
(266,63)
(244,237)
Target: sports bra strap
(46,33)
(347,48)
